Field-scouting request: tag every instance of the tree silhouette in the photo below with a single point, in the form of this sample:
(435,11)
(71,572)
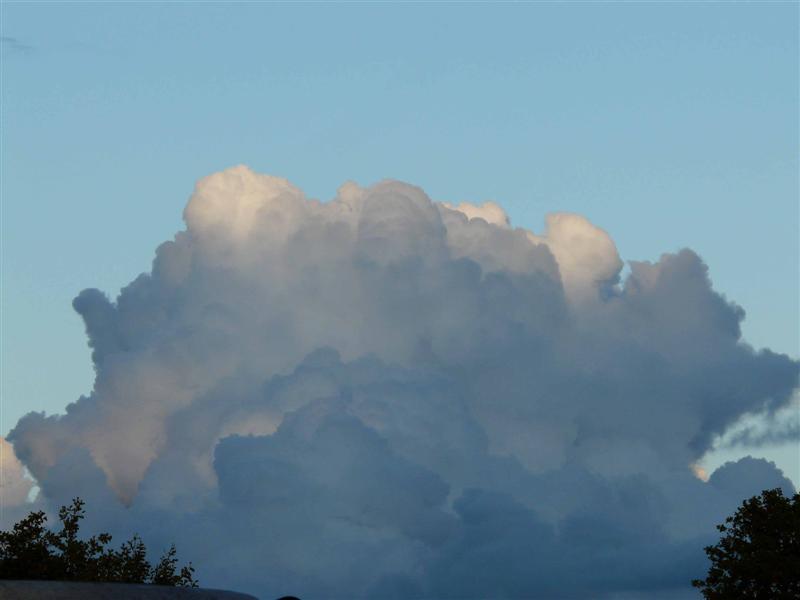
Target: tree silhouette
(32,551)
(758,556)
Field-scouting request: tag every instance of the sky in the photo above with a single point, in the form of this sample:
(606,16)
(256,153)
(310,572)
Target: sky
(668,125)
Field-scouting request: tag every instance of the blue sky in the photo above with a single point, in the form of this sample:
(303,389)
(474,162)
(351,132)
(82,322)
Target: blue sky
(669,125)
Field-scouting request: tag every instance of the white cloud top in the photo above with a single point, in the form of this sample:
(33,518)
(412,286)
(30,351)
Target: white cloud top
(14,485)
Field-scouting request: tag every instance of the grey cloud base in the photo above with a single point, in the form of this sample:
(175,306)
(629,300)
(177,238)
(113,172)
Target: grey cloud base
(387,397)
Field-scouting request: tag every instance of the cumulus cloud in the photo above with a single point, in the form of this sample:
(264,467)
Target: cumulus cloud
(14,485)
(385,396)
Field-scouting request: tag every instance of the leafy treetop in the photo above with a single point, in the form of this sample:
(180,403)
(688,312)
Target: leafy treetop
(758,556)
(32,551)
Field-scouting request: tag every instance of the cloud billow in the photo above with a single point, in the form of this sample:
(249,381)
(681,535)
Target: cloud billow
(385,396)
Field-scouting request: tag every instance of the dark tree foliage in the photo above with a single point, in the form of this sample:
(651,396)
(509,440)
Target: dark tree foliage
(33,551)
(759,554)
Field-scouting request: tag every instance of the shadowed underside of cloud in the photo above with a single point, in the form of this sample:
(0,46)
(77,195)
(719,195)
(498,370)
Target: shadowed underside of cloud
(385,396)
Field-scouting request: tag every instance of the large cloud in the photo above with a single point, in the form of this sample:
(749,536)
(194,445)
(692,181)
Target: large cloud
(14,485)
(384,396)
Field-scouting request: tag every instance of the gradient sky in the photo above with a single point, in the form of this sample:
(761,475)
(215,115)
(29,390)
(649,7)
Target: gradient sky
(669,125)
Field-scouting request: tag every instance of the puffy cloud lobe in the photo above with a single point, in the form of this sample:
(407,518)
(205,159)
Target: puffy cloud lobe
(385,396)
(14,485)
(490,212)
(587,257)
(742,476)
